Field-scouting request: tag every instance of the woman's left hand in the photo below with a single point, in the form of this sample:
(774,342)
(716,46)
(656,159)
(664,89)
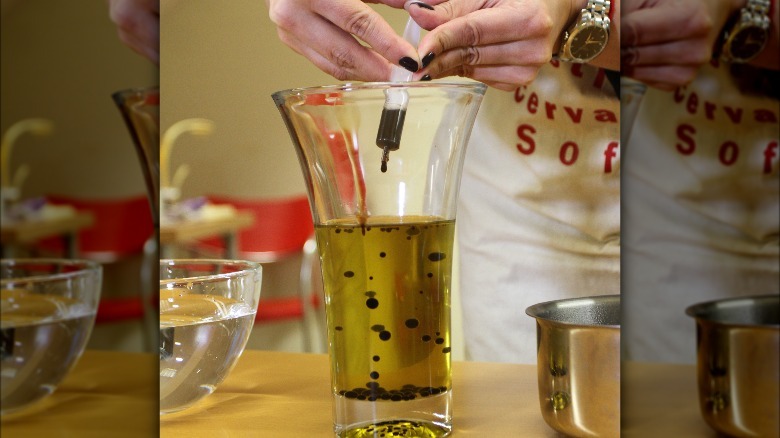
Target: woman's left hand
(502,43)
(138,25)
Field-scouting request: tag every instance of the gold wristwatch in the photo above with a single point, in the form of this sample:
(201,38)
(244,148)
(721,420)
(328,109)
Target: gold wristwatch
(746,33)
(588,35)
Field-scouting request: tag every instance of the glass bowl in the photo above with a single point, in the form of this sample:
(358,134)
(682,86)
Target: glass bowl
(47,310)
(207,310)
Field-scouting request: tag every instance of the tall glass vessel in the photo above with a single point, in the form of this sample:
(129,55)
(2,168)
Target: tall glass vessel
(140,108)
(383,185)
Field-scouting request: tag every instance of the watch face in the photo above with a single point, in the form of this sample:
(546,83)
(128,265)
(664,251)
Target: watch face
(588,43)
(747,43)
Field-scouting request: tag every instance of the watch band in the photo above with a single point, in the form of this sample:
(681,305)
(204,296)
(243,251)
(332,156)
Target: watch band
(759,7)
(601,7)
(757,11)
(599,11)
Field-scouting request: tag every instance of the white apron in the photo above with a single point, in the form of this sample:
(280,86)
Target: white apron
(700,208)
(539,212)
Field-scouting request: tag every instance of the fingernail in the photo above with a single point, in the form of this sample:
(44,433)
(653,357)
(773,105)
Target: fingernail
(426,78)
(427,59)
(409,64)
(423,5)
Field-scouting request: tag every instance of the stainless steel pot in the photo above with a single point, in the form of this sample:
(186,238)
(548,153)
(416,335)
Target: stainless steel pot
(578,364)
(738,364)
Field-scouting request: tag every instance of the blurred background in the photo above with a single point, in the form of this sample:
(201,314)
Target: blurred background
(231,183)
(71,175)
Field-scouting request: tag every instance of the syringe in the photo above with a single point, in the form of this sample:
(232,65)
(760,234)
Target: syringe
(391,124)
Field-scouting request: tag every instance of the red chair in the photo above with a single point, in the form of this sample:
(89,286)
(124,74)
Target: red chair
(281,230)
(122,228)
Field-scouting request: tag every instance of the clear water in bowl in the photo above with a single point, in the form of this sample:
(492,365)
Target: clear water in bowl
(42,337)
(201,338)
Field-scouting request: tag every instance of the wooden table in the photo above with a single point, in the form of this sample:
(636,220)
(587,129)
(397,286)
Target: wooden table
(107,394)
(187,231)
(27,232)
(660,400)
(272,394)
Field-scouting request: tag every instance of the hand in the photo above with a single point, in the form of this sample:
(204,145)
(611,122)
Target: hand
(324,31)
(502,43)
(138,25)
(664,42)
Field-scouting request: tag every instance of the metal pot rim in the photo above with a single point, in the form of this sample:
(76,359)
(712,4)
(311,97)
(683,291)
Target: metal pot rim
(712,311)
(545,311)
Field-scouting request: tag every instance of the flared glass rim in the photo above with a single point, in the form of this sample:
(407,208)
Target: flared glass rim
(473,86)
(86,267)
(245,267)
(137,90)
(121,96)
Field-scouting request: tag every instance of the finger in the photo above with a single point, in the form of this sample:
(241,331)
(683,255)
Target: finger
(662,86)
(630,73)
(398,4)
(433,13)
(509,77)
(668,75)
(359,19)
(322,62)
(138,27)
(501,86)
(140,46)
(665,23)
(516,53)
(347,58)
(683,52)
(152,6)
(142,32)
(484,27)
(135,18)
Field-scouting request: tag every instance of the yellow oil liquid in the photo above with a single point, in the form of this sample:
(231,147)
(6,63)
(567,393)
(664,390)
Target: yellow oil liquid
(387,288)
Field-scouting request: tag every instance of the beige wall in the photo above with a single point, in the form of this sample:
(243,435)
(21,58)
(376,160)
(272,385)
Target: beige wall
(222,60)
(62,60)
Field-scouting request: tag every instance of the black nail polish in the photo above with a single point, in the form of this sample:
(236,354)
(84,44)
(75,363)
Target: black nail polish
(409,64)
(423,5)
(427,59)
(426,78)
